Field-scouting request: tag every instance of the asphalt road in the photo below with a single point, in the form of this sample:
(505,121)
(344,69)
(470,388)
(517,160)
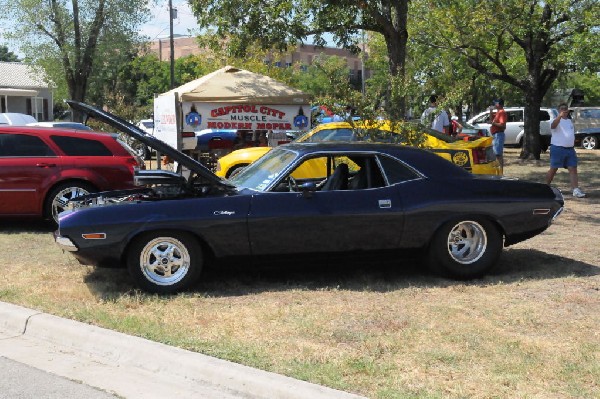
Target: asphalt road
(19,381)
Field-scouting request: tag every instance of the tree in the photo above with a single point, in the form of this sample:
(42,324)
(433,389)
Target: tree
(279,24)
(6,55)
(75,39)
(526,44)
(327,76)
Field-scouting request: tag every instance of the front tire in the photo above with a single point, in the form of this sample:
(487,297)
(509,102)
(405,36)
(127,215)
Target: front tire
(58,198)
(590,142)
(465,248)
(165,262)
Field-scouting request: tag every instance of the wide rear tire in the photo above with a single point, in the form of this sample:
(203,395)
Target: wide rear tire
(465,248)
(165,262)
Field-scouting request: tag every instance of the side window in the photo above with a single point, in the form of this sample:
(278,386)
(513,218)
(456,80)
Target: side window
(514,116)
(395,171)
(76,146)
(23,145)
(590,114)
(544,116)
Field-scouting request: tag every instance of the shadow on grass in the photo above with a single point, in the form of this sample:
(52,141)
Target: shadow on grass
(385,275)
(25,225)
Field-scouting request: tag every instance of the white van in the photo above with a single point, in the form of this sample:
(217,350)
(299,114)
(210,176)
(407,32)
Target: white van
(516,123)
(14,118)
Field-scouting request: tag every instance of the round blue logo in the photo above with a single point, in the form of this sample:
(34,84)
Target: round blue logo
(300,121)
(193,119)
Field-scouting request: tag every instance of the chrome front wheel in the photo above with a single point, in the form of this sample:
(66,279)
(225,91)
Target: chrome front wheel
(165,262)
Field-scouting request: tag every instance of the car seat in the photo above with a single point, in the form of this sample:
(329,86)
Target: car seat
(360,180)
(338,180)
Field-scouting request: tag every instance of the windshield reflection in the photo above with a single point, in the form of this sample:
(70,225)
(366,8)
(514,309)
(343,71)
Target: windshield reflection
(260,174)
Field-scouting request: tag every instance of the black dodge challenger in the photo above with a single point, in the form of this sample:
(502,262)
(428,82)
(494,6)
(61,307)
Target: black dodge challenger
(302,200)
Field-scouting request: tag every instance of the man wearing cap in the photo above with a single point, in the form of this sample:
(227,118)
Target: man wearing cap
(498,125)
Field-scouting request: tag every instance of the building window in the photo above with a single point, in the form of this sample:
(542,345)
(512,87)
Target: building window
(288,64)
(278,64)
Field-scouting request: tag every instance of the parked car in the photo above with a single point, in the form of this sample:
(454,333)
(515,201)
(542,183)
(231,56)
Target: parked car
(469,132)
(147,125)
(516,123)
(586,121)
(140,149)
(475,154)
(373,198)
(41,169)
(62,124)
(15,118)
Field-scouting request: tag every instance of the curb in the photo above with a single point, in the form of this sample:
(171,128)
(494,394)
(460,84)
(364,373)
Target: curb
(122,349)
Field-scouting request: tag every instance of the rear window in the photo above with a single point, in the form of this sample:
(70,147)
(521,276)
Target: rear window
(76,146)
(396,171)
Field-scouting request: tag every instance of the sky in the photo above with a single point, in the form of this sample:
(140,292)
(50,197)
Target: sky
(158,26)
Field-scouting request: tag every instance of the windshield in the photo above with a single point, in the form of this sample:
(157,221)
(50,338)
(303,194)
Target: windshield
(260,174)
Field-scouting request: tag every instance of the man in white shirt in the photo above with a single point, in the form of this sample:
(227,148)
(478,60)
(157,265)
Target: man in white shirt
(437,120)
(562,149)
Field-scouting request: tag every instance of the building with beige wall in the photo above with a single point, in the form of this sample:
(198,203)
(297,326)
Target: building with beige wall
(303,55)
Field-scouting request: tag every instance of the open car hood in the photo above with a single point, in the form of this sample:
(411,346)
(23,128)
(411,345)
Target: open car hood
(123,126)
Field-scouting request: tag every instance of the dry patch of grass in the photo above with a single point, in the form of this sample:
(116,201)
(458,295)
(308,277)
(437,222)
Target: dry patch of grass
(382,329)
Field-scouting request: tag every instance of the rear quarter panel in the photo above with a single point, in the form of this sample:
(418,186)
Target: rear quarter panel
(510,204)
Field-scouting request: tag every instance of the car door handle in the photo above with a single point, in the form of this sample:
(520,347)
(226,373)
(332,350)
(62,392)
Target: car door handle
(384,204)
(45,165)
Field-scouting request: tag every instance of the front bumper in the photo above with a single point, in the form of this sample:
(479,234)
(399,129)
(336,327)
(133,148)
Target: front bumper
(65,243)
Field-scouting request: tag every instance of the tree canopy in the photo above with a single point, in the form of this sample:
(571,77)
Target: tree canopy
(6,55)
(74,40)
(279,24)
(525,44)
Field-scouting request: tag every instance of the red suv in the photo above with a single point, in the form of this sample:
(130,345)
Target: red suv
(42,168)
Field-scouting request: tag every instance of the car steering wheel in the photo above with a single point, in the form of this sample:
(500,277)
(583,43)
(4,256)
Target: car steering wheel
(292,184)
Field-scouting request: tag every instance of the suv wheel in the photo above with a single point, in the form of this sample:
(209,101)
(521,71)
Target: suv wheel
(590,142)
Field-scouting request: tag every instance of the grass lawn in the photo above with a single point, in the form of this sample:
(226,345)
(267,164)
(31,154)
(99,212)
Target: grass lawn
(387,329)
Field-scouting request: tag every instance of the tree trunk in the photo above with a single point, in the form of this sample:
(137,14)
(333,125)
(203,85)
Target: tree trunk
(531,140)
(77,91)
(396,39)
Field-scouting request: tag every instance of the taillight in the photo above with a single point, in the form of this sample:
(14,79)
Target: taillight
(483,155)
(134,164)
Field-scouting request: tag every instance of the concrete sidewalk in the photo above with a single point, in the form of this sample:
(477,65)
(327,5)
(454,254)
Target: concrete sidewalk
(133,367)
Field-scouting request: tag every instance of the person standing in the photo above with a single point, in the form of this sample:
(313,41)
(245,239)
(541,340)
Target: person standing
(455,127)
(498,125)
(562,149)
(437,120)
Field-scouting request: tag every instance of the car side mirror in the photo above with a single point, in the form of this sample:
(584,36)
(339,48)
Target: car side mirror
(307,189)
